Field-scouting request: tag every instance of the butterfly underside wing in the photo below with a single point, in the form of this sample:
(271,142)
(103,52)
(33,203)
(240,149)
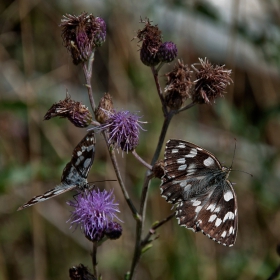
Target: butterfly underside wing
(75,173)
(196,181)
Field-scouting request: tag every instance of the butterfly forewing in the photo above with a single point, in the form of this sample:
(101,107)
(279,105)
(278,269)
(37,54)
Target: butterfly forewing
(75,172)
(195,179)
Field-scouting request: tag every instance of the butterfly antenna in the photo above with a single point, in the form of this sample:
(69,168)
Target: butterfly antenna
(233,160)
(233,154)
(113,180)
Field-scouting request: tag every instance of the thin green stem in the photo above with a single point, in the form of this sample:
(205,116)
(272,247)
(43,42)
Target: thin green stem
(159,91)
(143,202)
(147,240)
(87,68)
(142,160)
(120,180)
(94,258)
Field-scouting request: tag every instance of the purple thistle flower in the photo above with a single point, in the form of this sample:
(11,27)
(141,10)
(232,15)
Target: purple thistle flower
(94,211)
(123,128)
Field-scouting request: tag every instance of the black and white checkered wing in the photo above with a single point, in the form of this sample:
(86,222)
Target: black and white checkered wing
(196,181)
(75,172)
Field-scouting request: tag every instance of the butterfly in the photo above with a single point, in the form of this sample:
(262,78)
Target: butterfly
(75,172)
(197,183)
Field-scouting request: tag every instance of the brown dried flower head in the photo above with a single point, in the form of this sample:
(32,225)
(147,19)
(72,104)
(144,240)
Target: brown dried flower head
(74,111)
(82,34)
(151,37)
(211,82)
(178,85)
(105,106)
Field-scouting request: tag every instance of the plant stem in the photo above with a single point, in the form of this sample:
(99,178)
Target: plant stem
(94,259)
(146,240)
(88,72)
(145,189)
(159,91)
(120,180)
(141,160)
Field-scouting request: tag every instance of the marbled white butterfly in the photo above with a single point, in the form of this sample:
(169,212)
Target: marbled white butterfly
(75,172)
(195,180)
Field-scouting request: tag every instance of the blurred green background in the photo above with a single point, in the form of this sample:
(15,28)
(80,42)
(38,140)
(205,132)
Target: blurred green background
(35,72)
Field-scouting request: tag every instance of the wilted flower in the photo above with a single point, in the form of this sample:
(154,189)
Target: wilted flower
(177,86)
(167,52)
(150,35)
(94,211)
(105,105)
(74,111)
(82,34)
(123,128)
(211,82)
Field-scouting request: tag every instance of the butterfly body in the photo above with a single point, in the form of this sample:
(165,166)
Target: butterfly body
(197,182)
(75,173)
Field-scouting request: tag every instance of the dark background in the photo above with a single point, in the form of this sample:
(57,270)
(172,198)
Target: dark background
(36,70)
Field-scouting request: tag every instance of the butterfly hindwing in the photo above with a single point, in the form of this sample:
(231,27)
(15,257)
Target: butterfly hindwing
(196,181)
(75,172)
(212,214)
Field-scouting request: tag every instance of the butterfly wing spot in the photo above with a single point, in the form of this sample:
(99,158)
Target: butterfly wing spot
(181,146)
(79,153)
(218,222)
(217,210)
(224,234)
(181,160)
(228,195)
(211,207)
(182,167)
(192,153)
(212,218)
(231,231)
(87,163)
(208,162)
(191,169)
(198,208)
(174,151)
(195,202)
(229,216)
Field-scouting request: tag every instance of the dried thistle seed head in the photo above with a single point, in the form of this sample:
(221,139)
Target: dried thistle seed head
(211,82)
(82,34)
(158,169)
(178,85)
(105,106)
(151,39)
(74,111)
(167,52)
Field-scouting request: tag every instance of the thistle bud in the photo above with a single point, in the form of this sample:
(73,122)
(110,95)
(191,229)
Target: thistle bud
(167,52)
(114,230)
(74,111)
(105,106)
(211,82)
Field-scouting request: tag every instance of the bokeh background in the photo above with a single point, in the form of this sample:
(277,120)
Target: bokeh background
(36,71)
